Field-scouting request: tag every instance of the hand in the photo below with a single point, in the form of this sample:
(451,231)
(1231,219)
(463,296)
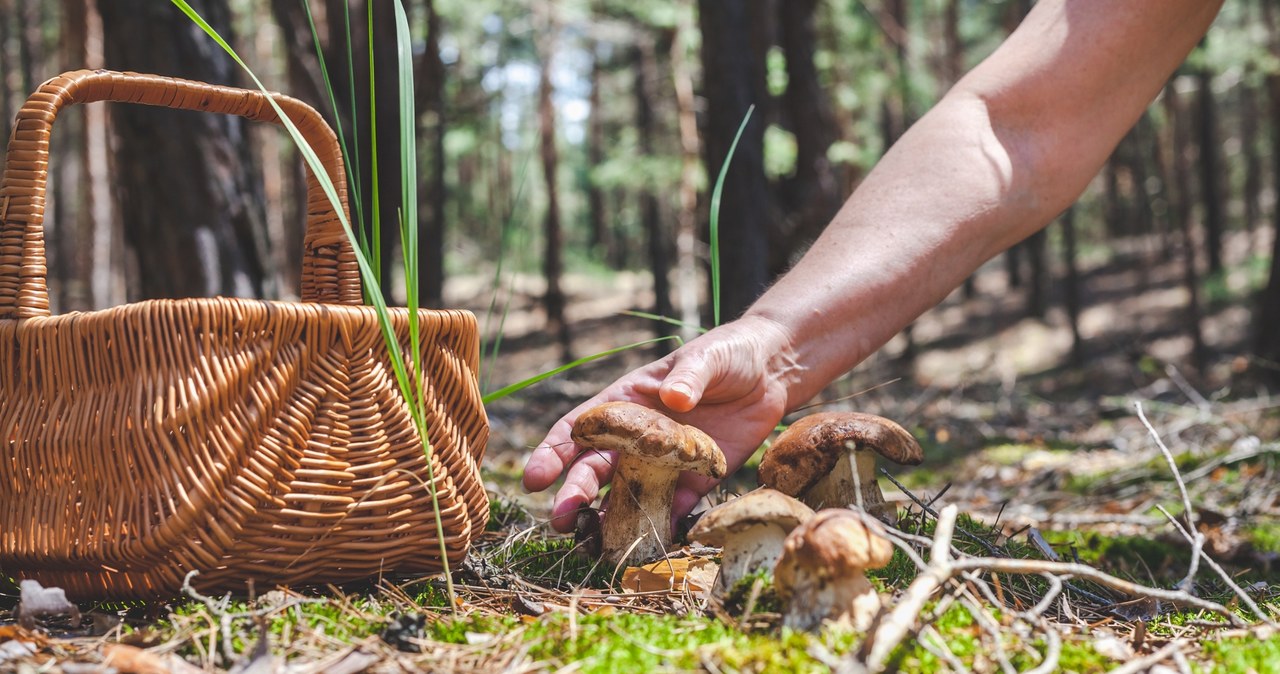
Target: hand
(731,382)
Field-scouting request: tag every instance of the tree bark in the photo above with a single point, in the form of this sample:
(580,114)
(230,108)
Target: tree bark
(1182,217)
(201,233)
(552,264)
(1266,320)
(1210,166)
(811,197)
(432,123)
(596,225)
(1249,150)
(733,58)
(645,66)
(1072,293)
(687,216)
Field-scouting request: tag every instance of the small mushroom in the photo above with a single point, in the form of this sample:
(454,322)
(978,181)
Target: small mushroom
(651,451)
(820,574)
(823,460)
(751,529)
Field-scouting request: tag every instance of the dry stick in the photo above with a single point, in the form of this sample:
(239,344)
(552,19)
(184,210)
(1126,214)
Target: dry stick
(897,624)
(1188,513)
(939,648)
(1145,663)
(1222,573)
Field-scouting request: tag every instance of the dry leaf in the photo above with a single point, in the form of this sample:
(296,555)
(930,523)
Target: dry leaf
(694,574)
(133,660)
(40,602)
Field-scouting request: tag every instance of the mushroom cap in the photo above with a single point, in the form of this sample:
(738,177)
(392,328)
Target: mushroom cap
(636,430)
(762,506)
(810,448)
(836,542)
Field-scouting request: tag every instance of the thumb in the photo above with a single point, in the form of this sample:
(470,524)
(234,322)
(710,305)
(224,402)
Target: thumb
(685,385)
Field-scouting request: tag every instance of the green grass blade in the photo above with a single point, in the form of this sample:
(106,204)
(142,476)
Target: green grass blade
(715,219)
(664,319)
(352,166)
(366,273)
(521,385)
(375,245)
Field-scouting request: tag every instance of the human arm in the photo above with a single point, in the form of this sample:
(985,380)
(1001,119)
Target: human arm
(1006,150)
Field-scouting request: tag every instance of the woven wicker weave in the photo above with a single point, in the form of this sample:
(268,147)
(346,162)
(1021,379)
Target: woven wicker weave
(246,439)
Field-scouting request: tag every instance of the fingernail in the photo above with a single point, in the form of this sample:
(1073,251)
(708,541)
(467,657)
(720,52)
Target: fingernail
(683,389)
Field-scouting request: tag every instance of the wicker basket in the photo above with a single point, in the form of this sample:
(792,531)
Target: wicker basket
(249,440)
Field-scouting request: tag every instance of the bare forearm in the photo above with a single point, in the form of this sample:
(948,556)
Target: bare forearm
(1006,151)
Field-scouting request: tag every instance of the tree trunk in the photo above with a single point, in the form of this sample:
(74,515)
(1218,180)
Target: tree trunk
(811,197)
(1182,217)
(552,265)
(687,218)
(202,234)
(1037,260)
(8,101)
(1072,292)
(646,76)
(100,261)
(432,192)
(1210,169)
(1249,149)
(597,227)
(733,60)
(1266,320)
(896,113)
(953,70)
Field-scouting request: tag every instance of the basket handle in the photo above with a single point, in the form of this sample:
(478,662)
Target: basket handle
(329,271)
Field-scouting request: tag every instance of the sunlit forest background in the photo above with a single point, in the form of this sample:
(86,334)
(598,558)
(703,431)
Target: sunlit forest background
(566,150)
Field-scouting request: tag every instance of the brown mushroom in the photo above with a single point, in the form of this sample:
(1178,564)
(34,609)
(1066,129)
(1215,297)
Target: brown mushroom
(651,451)
(820,574)
(823,460)
(750,529)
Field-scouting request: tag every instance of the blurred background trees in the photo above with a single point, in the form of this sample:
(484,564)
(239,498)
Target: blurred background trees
(566,137)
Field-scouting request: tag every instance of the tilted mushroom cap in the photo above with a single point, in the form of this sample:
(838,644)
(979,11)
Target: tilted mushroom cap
(636,430)
(761,506)
(837,541)
(809,448)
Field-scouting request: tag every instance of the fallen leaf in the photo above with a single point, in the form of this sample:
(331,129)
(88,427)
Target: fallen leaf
(694,574)
(133,660)
(38,602)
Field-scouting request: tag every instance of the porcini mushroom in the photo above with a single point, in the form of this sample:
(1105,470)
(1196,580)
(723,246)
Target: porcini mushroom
(651,451)
(750,529)
(820,574)
(828,460)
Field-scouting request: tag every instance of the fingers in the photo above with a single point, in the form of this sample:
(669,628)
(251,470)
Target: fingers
(684,386)
(550,457)
(581,485)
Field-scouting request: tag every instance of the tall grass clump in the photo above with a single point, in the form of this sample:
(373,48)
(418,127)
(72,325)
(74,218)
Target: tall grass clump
(368,253)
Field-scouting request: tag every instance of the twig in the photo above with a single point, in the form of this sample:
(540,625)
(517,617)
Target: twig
(1196,538)
(1222,573)
(925,507)
(1145,663)
(895,626)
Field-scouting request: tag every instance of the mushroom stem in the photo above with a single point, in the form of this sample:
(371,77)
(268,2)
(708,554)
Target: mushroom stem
(856,468)
(816,598)
(639,510)
(757,547)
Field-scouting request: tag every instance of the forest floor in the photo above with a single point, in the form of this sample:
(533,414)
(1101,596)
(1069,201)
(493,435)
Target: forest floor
(1043,461)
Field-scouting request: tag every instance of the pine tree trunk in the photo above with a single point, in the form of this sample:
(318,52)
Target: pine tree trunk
(733,62)
(596,225)
(1252,162)
(432,124)
(203,233)
(1072,293)
(552,264)
(1210,166)
(646,76)
(1266,319)
(1182,218)
(687,218)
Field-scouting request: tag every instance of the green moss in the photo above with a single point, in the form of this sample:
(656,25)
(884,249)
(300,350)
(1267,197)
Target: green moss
(1243,655)
(1266,536)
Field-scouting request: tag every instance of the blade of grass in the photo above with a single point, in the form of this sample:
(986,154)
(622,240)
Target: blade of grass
(521,385)
(366,273)
(409,251)
(715,219)
(664,319)
(375,245)
(353,176)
